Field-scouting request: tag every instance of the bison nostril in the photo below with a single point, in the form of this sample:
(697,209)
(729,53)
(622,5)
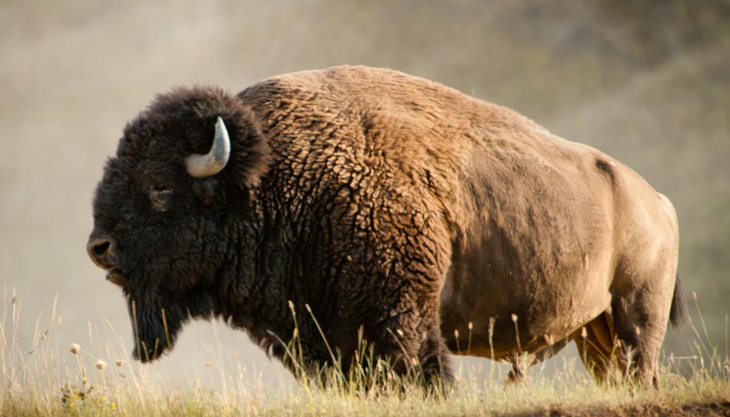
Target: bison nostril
(101,248)
(99,251)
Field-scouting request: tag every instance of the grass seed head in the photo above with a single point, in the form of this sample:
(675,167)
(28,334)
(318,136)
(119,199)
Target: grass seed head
(119,363)
(208,363)
(583,332)
(100,364)
(514,318)
(75,348)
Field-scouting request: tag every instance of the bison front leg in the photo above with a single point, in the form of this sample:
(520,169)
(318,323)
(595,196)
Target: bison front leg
(408,329)
(413,344)
(398,255)
(414,323)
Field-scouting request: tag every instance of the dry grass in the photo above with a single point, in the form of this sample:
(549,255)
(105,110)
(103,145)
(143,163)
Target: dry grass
(72,73)
(94,377)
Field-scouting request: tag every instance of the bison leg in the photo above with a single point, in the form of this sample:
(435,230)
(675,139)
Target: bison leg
(643,285)
(419,349)
(595,346)
(521,363)
(434,358)
(640,322)
(640,315)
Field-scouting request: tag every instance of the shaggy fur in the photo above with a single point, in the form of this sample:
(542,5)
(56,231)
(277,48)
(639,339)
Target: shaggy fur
(392,204)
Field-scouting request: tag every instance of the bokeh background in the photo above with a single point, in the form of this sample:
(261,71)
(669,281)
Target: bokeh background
(647,82)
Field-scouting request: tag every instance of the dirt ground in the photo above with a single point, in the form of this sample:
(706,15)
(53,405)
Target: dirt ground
(710,409)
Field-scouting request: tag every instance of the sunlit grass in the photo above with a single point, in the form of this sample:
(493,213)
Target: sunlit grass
(95,377)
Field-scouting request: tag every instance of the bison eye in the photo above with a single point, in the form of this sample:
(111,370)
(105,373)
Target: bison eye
(160,197)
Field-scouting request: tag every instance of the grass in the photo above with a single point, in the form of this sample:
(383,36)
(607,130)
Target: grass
(96,378)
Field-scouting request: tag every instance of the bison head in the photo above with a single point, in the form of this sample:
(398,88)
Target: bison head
(164,217)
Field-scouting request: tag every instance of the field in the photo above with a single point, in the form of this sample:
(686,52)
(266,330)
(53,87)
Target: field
(93,378)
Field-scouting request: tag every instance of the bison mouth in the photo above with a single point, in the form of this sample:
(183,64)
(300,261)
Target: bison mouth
(115,276)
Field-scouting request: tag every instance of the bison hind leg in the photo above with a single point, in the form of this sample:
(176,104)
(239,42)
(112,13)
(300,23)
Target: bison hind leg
(596,347)
(521,363)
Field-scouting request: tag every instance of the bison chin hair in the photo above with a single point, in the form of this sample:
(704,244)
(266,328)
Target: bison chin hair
(155,334)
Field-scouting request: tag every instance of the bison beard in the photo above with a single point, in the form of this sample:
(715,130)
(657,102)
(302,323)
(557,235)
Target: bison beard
(153,330)
(389,204)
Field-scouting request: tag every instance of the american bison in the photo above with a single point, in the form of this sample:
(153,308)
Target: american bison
(390,204)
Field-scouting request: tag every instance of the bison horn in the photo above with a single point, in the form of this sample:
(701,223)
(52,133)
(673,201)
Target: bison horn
(200,166)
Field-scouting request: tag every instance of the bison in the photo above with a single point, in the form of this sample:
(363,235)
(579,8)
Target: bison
(399,211)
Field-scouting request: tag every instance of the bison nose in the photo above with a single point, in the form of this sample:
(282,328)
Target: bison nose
(100,251)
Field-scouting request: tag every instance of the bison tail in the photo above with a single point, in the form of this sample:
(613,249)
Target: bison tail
(678,312)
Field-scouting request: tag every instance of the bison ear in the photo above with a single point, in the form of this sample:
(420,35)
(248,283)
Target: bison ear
(250,157)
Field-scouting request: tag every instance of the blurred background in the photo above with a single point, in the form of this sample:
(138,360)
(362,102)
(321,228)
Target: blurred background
(647,82)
